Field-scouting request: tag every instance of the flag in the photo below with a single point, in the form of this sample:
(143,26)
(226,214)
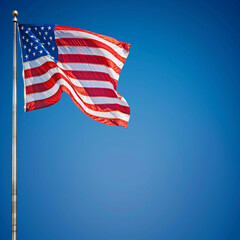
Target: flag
(84,64)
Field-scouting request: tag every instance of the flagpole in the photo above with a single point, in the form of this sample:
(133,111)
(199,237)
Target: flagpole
(14,130)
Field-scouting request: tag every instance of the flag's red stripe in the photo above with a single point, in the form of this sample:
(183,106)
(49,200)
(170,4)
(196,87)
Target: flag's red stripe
(124,45)
(81,75)
(84,42)
(91,59)
(56,97)
(87,75)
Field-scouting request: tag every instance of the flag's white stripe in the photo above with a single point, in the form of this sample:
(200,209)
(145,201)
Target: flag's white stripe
(89,51)
(83,83)
(92,84)
(89,67)
(73,66)
(77,34)
(54,89)
(37,62)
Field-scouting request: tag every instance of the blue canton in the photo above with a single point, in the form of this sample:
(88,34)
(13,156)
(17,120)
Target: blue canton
(37,41)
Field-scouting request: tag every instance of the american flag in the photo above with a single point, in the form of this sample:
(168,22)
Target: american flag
(83,64)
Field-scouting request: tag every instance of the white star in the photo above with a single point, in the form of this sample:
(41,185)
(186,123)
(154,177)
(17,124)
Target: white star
(26,32)
(36,47)
(36,28)
(29,50)
(31,43)
(48,43)
(39,33)
(42,28)
(29,29)
(22,27)
(44,38)
(26,56)
(27,40)
(50,38)
(23,37)
(34,54)
(40,51)
(24,46)
(53,48)
(46,33)
(49,28)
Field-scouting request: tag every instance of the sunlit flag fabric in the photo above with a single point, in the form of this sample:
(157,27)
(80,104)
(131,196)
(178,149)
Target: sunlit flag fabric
(83,64)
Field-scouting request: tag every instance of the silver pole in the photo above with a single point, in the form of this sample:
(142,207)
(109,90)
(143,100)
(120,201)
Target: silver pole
(14,130)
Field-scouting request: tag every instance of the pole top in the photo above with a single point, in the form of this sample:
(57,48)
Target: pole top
(15,13)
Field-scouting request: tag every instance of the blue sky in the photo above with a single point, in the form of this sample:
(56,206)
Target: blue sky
(174,173)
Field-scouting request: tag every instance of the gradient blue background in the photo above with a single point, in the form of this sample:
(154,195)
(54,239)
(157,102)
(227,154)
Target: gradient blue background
(174,173)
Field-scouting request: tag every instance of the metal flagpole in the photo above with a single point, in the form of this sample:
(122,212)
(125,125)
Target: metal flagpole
(14,130)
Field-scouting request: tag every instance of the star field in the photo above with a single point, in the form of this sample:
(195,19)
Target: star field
(37,41)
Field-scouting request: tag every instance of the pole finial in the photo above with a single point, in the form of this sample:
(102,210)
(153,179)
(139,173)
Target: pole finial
(15,13)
